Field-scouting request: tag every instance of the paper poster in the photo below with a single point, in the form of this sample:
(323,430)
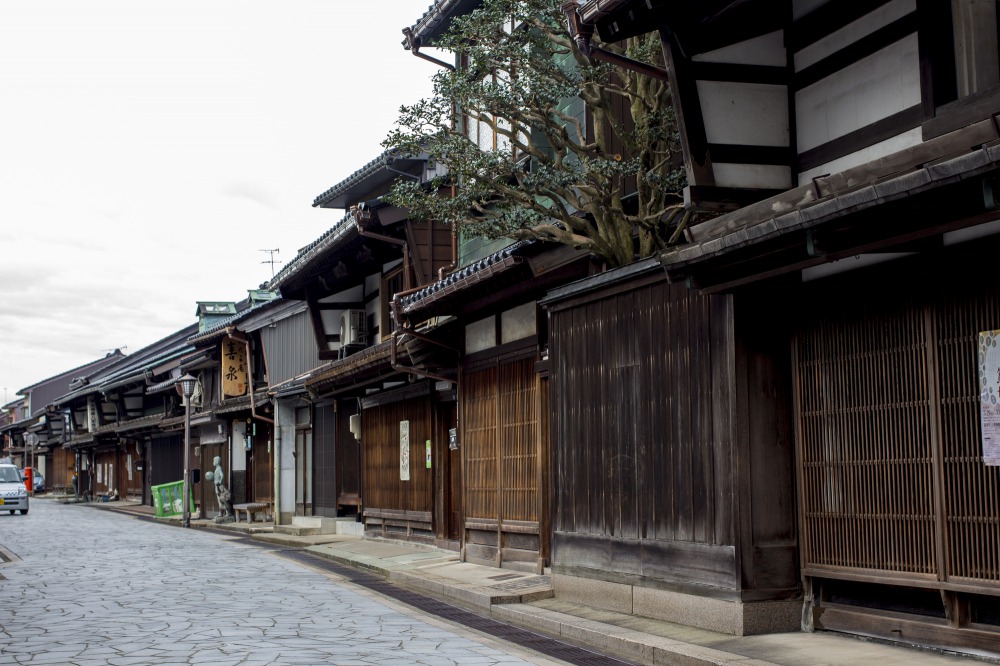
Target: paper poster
(404,450)
(989,395)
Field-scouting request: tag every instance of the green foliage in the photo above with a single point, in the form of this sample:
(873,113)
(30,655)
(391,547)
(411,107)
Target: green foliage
(524,159)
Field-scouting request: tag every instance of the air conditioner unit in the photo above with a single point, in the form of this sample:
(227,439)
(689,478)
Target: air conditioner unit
(353,329)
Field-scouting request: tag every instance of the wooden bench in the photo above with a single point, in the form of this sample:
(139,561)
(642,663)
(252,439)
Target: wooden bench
(250,508)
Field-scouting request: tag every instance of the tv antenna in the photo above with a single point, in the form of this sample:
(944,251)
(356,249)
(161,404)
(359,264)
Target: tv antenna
(271,260)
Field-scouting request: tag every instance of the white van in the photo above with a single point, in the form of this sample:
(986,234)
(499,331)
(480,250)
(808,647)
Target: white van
(13,494)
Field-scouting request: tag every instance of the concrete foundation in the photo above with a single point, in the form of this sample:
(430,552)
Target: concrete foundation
(731,617)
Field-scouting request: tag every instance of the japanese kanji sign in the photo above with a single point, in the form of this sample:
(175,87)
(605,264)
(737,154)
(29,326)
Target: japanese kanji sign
(989,395)
(234,367)
(404,450)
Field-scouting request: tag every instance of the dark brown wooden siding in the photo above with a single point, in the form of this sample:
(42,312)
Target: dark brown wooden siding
(504,451)
(60,473)
(393,507)
(891,456)
(324,471)
(672,446)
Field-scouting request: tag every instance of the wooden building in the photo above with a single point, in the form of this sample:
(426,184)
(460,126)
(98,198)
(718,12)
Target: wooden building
(870,129)
(114,423)
(34,415)
(368,397)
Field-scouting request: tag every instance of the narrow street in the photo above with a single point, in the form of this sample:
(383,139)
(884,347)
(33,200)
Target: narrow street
(86,586)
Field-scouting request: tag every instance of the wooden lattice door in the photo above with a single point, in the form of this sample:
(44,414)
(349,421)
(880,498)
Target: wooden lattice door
(892,481)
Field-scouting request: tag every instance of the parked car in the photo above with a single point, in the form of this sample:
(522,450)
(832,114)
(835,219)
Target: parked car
(37,480)
(13,494)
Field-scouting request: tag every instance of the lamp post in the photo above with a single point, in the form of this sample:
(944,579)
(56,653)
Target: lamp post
(186,386)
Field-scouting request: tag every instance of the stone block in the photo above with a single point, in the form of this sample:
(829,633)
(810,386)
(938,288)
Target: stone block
(594,593)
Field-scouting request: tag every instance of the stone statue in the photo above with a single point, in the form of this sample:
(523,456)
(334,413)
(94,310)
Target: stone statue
(221,492)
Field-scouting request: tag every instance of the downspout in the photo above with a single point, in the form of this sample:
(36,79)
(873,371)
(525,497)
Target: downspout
(413,44)
(582,33)
(360,213)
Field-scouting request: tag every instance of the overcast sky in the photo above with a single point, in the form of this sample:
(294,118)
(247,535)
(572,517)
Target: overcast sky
(149,149)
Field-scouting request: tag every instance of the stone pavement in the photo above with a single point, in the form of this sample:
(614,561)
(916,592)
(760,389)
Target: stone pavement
(86,587)
(526,600)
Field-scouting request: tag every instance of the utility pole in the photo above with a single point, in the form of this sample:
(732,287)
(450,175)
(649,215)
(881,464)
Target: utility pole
(271,260)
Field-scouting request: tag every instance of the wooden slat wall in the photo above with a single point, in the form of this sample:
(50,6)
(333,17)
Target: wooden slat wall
(888,414)
(971,490)
(518,441)
(866,458)
(479,443)
(632,416)
(380,438)
(263,465)
(60,474)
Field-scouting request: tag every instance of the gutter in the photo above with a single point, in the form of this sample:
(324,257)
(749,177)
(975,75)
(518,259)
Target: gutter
(413,44)
(582,33)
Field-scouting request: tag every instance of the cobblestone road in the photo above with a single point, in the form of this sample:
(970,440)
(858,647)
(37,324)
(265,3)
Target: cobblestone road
(89,586)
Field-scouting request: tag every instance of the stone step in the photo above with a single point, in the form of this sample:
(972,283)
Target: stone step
(316,525)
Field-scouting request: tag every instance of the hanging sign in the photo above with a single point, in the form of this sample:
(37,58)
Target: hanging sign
(989,395)
(234,367)
(404,450)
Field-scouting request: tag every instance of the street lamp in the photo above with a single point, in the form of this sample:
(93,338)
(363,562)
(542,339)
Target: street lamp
(186,386)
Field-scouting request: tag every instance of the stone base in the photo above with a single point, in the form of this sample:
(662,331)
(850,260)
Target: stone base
(730,617)
(224,519)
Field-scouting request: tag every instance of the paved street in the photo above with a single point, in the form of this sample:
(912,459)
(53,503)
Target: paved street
(91,586)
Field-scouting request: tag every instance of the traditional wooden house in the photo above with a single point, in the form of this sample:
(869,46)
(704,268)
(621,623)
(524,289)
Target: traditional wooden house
(840,318)
(236,424)
(377,436)
(118,421)
(34,432)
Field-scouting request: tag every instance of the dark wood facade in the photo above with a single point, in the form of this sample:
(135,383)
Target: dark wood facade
(672,441)
(900,517)
(395,506)
(505,450)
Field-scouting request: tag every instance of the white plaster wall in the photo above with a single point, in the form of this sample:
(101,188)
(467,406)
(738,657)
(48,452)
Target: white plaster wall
(852,32)
(285,444)
(762,176)
(872,152)
(876,87)
(802,7)
(744,113)
(767,49)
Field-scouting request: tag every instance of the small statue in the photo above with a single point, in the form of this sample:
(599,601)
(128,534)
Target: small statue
(221,492)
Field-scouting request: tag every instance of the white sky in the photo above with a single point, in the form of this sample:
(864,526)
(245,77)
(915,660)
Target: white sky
(149,149)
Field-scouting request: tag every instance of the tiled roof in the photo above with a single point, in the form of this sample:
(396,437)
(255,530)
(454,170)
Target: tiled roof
(370,357)
(474,272)
(356,177)
(328,240)
(435,20)
(230,405)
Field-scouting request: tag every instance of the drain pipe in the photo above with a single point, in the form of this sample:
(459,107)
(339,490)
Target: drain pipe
(362,213)
(413,45)
(583,33)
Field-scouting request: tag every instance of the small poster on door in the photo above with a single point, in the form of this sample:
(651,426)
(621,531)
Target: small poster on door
(989,395)
(404,450)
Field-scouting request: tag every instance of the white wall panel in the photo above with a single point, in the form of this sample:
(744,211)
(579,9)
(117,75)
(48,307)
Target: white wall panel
(872,152)
(744,113)
(752,176)
(764,50)
(873,88)
(852,32)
